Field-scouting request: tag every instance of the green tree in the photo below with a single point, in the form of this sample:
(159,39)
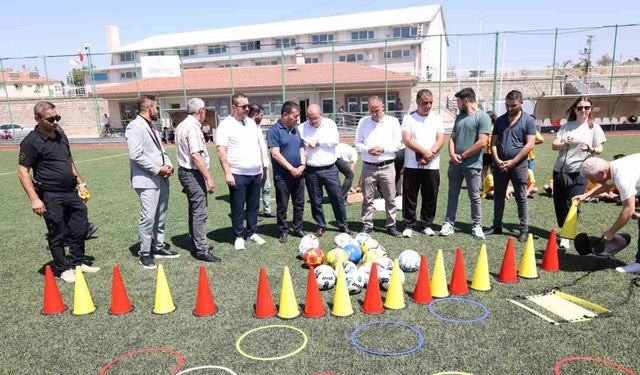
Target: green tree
(605,60)
(75,77)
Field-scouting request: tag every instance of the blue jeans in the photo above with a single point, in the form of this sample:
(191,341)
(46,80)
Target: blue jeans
(472,176)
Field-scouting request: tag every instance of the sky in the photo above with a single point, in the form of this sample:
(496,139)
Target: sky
(39,27)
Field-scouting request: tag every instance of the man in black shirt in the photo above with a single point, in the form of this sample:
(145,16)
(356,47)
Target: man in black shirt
(52,190)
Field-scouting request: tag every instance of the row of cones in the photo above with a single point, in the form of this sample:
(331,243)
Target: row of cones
(120,303)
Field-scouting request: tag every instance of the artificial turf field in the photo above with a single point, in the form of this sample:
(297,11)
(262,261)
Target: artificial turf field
(509,341)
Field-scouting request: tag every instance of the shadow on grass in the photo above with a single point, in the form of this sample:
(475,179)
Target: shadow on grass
(88,260)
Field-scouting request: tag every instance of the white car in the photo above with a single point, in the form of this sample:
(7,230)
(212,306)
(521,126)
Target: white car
(14,131)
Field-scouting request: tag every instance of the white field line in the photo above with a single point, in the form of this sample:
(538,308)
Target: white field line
(77,162)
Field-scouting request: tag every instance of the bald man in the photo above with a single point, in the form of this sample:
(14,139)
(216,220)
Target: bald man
(320,137)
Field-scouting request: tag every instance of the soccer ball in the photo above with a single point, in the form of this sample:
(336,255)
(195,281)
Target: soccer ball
(336,256)
(409,260)
(361,237)
(349,267)
(384,263)
(372,256)
(355,282)
(313,257)
(307,242)
(384,277)
(342,240)
(365,271)
(368,245)
(353,252)
(325,277)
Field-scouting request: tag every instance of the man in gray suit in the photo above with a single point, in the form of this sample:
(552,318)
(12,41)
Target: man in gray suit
(150,172)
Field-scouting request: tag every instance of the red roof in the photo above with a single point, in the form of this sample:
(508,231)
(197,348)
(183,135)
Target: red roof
(262,76)
(24,76)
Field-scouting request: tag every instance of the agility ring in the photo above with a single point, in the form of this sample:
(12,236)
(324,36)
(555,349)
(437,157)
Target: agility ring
(227,370)
(358,346)
(556,367)
(174,353)
(485,310)
(304,343)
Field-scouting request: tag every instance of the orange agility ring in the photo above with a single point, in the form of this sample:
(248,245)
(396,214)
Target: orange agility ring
(174,353)
(556,367)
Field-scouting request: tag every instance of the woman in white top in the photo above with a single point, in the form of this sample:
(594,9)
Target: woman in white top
(576,140)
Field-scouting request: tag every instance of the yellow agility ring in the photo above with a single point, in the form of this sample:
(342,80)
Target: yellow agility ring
(304,344)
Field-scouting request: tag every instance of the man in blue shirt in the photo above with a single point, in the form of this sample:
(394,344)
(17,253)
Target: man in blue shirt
(514,135)
(289,162)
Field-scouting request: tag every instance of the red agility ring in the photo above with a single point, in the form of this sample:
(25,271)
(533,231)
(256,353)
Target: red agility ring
(174,353)
(556,367)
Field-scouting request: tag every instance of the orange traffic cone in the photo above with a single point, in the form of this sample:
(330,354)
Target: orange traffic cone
(422,291)
(53,303)
(264,301)
(313,306)
(508,272)
(550,261)
(204,299)
(120,303)
(458,284)
(372,299)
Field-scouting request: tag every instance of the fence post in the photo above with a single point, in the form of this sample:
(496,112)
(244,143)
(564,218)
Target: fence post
(46,74)
(495,72)
(553,66)
(284,90)
(184,87)
(333,78)
(440,77)
(233,90)
(135,68)
(613,59)
(93,92)
(386,84)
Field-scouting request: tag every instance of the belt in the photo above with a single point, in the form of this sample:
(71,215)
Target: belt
(381,164)
(312,168)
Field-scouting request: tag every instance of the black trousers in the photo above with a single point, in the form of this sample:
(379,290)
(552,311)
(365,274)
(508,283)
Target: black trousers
(562,194)
(345,168)
(398,163)
(66,218)
(427,182)
(245,194)
(327,177)
(289,188)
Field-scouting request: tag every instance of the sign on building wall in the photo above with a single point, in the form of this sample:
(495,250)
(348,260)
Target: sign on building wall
(160,66)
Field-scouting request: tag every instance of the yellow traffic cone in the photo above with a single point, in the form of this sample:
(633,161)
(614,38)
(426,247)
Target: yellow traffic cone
(288,308)
(82,301)
(481,279)
(395,293)
(439,287)
(570,227)
(164,301)
(528,268)
(341,301)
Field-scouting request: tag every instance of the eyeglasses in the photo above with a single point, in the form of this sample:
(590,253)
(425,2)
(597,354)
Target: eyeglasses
(583,108)
(245,107)
(52,119)
(425,103)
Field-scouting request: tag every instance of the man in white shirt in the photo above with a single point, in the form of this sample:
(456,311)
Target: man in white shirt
(194,176)
(625,175)
(347,157)
(320,137)
(240,144)
(378,137)
(423,134)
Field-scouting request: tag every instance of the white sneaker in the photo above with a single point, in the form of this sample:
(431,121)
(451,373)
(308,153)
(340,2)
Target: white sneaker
(477,233)
(257,239)
(407,233)
(68,276)
(428,231)
(239,244)
(89,269)
(564,244)
(447,229)
(629,268)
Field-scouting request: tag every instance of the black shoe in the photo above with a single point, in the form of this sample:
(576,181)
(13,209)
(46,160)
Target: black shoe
(147,262)
(493,230)
(394,231)
(92,229)
(268,214)
(367,230)
(165,253)
(320,231)
(284,237)
(207,257)
(298,233)
(523,236)
(346,230)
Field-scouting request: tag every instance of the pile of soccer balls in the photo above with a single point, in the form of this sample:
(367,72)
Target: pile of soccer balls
(357,256)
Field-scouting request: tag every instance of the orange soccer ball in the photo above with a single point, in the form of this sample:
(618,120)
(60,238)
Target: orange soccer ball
(313,257)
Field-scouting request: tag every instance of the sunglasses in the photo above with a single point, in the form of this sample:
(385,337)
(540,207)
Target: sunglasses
(52,119)
(583,108)
(245,107)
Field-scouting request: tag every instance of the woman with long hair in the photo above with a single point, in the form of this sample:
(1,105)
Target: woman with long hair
(576,140)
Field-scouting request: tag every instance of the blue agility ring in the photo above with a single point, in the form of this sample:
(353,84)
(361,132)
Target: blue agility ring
(484,316)
(355,342)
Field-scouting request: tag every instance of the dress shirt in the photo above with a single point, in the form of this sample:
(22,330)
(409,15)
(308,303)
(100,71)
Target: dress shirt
(327,138)
(386,133)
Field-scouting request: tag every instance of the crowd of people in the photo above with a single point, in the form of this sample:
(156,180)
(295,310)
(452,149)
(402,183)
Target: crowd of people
(296,157)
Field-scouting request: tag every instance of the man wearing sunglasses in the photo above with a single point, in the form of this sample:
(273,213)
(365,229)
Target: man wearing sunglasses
(52,190)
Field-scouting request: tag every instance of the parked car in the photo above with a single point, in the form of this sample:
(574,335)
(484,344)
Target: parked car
(14,131)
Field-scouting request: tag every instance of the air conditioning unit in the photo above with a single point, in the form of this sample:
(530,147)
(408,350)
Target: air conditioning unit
(368,57)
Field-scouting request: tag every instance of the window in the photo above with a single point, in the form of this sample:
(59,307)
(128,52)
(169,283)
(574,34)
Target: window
(361,35)
(397,53)
(14,75)
(268,62)
(101,76)
(175,105)
(186,51)
(217,49)
(34,75)
(155,53)
(311,60)
(405,32)
(227,65)
(266,109)
(127,57)
(322,38)
(128,75)
(128,111)
(224,111)
(286,42)
(250,46)
(352,57)
(352,104)
(364,104)
(327,105)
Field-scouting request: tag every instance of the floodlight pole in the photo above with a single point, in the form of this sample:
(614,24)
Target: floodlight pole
(613,59)
(184,88)
(284,92)
(233,90)
(495,71)
(553,66)
(46,73)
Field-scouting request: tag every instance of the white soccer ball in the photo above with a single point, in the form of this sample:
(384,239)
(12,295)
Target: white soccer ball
(384,263)
(342,240)
(325,277)
(307,242)
(384,277)
(349,267)
(361,237)
(355,282)
(365,271)
(409,260)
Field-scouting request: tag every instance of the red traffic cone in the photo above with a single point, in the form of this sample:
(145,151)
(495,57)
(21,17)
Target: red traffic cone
(53,303)
(264,301)
(204,299)
(313,306)
(372,299)
(120,303)
(422,291)
(508,272)
(458,284)
(550,261)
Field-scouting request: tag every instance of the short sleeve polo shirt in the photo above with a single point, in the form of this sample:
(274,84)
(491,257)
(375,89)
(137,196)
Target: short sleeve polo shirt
(289,142)
(513,138)
(50,159)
